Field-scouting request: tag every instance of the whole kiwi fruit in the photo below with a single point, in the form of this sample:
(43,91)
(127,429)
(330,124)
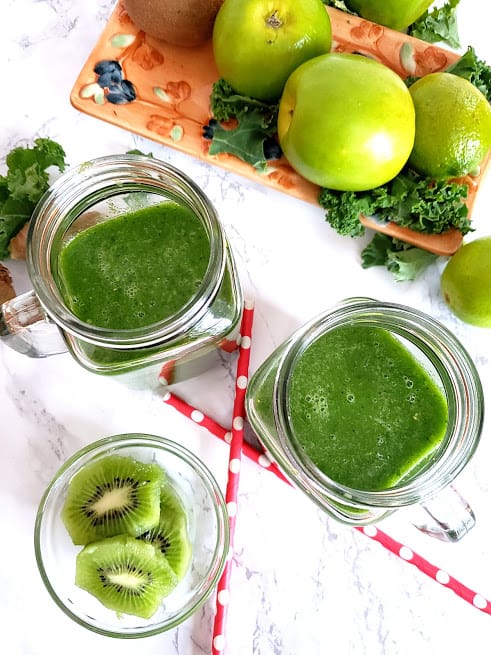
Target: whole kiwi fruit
(180,22)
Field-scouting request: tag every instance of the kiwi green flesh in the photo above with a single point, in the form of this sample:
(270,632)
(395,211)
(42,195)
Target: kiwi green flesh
(125,574)
(170,536)
(112,496)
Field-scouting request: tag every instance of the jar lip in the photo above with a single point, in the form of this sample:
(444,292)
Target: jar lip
(457,373)
(105,177)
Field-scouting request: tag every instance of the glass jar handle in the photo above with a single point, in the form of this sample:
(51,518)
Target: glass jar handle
(26,328)
(447,516)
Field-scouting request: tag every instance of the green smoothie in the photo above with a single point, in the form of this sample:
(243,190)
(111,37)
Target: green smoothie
(135,269)
(363,409)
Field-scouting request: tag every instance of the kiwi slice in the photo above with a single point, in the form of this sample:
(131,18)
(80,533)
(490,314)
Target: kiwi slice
(170,536)
(111,496)
(125,574)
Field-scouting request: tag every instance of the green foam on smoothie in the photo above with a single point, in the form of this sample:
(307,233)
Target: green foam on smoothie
(135,269)
(364,410)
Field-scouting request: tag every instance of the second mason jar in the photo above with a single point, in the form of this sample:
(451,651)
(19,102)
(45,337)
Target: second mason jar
(129,262)
(369,408)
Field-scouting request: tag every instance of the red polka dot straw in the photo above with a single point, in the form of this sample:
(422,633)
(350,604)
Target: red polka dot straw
(233,476)
(261,458)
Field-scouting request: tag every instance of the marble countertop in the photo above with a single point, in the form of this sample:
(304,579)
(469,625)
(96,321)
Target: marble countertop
(301,583)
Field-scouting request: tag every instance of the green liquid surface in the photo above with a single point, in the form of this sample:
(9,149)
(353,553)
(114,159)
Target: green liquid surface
(136,269)
(363,409)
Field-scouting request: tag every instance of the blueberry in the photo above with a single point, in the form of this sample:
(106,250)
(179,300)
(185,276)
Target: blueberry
(271,148)
(209,129)
(109,79)
(121,94)
(116,97)
(128,90)
(107,66)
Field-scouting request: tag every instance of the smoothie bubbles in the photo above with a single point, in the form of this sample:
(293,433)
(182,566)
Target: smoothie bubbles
(131,272)
(369,408)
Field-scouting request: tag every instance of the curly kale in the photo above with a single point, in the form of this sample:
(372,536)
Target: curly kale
(438,24)
(473,69)
(409,200)
(225,104)
(21,188)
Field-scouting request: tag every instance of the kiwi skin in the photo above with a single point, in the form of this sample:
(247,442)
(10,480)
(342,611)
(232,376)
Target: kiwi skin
(186,23)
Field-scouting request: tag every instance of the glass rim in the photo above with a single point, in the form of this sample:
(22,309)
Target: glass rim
(458,376)
(102,178)
(220,554)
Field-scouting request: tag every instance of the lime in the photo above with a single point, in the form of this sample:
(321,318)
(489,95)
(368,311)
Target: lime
(466,282)
(453,126)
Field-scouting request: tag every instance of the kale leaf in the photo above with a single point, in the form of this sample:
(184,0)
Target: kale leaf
(225,103)
(253,125)
(21,188)
(438,24)
(245,140)
(410,200)
(473,69)
(404,261)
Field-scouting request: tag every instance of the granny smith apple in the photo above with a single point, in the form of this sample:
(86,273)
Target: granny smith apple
(346,122)
(258,43)
(397,14)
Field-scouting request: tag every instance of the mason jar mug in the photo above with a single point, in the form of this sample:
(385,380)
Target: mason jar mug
(132,273)
(372,407)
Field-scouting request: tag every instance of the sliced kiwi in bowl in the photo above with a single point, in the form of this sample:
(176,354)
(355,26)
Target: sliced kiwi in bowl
(125,574)
(133,527)
(171,541)
(111,496)
(170,535)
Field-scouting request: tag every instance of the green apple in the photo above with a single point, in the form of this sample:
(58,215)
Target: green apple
(397,14)
(258,43)
(346,122)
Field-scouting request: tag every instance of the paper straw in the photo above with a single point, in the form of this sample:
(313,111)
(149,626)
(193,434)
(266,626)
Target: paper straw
(257,456)
(233,475)
(397,548)
(434,572)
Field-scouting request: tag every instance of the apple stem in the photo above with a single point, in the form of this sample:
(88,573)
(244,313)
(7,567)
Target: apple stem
(274,20)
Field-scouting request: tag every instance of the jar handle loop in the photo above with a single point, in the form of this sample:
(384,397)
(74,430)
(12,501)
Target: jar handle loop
(26,328)
(447,516)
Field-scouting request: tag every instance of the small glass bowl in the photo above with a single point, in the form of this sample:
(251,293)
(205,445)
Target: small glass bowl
(208,531)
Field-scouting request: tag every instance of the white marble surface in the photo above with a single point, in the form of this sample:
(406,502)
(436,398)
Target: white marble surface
(301,583)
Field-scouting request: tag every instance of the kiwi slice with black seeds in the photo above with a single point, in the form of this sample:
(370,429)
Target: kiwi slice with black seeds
(170,536)
(125,574)
(111,496)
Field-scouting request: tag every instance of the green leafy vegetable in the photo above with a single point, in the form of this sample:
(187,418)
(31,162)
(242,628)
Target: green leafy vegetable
(225,103)
(343,209)
(473,69)
(245,141)
(21,188)
(135,151)
(339,4)
(254,123)
(409,200)
(404,261)
(438,24)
